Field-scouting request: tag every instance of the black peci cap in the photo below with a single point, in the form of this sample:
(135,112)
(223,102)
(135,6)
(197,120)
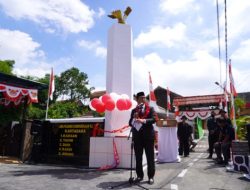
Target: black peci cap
(140,94)
(183,117)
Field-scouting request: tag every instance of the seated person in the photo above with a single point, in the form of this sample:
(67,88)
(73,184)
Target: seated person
(192,144)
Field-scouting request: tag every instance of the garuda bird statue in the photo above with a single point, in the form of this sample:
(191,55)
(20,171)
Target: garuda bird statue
(117,14)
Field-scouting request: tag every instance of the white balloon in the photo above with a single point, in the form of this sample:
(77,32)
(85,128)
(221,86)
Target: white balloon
(134,104)
(125,96)
(91,107)
(114,96)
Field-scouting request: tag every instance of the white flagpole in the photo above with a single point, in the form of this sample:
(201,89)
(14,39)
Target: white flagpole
(232,88)
(49,90)
(47,108)
(168,102)
(233,107)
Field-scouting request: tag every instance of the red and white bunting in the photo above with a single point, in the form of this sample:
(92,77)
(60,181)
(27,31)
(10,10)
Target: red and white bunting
(15,94)
(191,115)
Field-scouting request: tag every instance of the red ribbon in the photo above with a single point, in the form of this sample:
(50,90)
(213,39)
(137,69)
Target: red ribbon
(98,130)
(116,159)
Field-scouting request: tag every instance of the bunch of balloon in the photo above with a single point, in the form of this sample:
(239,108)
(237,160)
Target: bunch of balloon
(112,101)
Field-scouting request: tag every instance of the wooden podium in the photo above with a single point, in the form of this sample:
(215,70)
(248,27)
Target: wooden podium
(166,123)
(167,140)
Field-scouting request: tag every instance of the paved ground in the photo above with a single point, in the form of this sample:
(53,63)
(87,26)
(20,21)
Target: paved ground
(192,173)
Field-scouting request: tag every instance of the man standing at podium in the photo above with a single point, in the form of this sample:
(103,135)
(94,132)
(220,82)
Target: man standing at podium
(142,119)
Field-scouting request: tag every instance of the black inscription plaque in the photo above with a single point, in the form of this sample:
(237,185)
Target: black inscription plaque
(68,143)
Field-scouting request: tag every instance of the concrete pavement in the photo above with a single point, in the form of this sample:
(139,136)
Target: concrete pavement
(192,173)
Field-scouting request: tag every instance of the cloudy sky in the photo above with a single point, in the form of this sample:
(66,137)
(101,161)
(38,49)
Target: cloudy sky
(176,40)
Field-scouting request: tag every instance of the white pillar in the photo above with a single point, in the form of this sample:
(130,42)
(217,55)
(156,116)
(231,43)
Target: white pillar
(118,73)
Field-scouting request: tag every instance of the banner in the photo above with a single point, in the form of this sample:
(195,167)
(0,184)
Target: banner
(16,94)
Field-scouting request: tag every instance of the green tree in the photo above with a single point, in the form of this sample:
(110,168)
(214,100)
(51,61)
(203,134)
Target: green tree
(8,113)
(73,84)
(241,126)
(241,121)
(6,66)
(239,105)
(65,109)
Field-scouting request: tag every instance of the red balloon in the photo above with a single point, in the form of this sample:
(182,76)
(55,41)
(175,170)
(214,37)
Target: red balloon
(110,105)
(94,102)
(100,107)
(129,104)
(105,98)
(121,104)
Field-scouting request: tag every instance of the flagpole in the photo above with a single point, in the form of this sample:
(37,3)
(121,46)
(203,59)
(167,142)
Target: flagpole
(47,108)
(49,92)
(168,102)
(233,107)
(232,94)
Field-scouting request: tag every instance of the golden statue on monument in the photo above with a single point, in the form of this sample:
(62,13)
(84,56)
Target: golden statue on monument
(117,14)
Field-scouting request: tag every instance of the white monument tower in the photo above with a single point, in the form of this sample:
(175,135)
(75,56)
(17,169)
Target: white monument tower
(119,73)
(119,81)
(119,68)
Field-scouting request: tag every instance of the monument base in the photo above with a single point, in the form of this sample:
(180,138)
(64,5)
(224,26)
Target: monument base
(102,154)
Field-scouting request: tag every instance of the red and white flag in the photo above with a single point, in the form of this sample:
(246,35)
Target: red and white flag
(176,110)
(232,112)
(232,87)
(51,84)
(152,98)
(168,102)
(225,100)
(151,89)
(168,99)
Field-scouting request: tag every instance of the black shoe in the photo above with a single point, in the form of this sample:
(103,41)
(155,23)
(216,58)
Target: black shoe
(151,181)
(138,179)
(220,162)
(186,155)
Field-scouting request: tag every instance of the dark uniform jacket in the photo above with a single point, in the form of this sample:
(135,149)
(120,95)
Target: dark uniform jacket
(184,131)
(147,129)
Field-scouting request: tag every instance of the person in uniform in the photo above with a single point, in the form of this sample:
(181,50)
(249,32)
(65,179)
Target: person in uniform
(213,133)
(184,132)
(224,141)
(224,115)
(141,120)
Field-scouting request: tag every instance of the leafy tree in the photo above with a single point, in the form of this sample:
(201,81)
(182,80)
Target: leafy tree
(239,104)
(35,111)
(65,109)
(10,113)
(6,66)
(241,121)
(241,127)
(73,84)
